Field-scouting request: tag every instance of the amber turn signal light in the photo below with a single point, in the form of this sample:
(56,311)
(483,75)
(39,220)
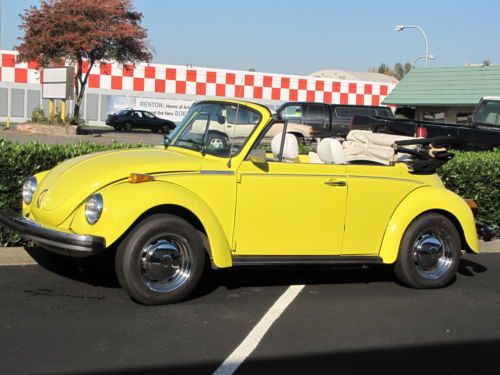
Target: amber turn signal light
(473,206)
(137,178)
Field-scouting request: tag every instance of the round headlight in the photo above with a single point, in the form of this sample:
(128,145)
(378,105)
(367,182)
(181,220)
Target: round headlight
(93,208)
(29,189)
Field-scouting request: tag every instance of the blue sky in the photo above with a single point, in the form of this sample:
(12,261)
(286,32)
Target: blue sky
(300,37)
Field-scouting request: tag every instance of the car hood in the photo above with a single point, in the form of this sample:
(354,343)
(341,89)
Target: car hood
(71,182)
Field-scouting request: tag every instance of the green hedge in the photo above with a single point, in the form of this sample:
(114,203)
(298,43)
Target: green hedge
(471,174)
(476,175)
(19,161)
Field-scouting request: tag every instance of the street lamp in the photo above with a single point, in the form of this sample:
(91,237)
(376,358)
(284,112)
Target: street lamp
(402,27)
(430,57)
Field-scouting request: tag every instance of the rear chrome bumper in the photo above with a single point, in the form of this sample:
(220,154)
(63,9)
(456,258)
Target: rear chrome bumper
(70,244)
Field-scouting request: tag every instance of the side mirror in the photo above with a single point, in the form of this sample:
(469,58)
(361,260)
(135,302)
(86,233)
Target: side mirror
(221,119)
(469,119)
(258,157)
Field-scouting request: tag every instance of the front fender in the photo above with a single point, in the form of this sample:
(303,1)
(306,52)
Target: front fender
(418,202)
(124,203)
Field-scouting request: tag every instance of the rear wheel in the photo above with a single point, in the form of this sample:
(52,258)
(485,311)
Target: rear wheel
(161,260)
(165,128)
(429,253)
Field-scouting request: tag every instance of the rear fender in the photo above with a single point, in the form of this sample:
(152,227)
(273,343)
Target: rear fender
(424,200)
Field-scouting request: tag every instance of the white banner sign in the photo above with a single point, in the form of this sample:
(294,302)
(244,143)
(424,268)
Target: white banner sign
(170,109)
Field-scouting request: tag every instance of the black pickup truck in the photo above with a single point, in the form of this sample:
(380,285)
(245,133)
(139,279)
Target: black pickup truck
(327,120)
(482,132)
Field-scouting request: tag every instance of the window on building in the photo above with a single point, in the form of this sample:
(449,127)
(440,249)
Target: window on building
(434,116)
(463,118)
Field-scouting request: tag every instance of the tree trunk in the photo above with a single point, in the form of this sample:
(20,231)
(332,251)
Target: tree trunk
(80,84)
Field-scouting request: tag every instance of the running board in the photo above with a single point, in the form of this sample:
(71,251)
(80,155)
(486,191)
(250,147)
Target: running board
(307,260)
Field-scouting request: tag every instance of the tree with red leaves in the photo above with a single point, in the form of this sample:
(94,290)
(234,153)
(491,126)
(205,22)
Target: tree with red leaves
(83,32)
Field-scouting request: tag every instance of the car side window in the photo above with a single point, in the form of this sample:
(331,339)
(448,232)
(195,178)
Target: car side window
(148,115)
(292,112)
(316,112)
(280,151)
(137,114)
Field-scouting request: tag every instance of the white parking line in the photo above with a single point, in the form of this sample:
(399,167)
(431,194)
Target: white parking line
(248,345)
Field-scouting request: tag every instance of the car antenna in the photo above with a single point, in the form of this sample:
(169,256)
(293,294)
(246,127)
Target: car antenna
(234,133)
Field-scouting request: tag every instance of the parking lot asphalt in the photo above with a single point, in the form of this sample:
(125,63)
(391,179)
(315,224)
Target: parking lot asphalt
(75,319)
(101,136)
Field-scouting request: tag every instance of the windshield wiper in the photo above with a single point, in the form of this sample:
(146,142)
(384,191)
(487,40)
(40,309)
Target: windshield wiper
(199,146)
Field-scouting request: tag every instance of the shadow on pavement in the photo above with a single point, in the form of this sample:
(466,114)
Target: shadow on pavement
(99,271)
(474,357)
(470,268)
(96,271)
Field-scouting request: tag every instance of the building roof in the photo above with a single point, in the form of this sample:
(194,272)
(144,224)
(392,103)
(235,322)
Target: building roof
(446,86)
(354,76)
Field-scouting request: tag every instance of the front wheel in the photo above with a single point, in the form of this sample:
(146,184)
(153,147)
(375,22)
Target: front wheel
(216,141)
(429,253)
(161,260)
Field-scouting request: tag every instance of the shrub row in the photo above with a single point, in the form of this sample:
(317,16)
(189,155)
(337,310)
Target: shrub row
(19,161)
(470,174)
(476,175)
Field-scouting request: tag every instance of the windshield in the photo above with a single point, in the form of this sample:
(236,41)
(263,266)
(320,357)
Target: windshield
(219,129)
(488,112)
(123,112)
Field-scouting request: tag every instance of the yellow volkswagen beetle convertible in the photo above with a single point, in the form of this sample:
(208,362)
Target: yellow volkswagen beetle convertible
(230,187)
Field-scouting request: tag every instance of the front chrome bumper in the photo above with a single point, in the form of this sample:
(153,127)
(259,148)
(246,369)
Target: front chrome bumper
(70,244)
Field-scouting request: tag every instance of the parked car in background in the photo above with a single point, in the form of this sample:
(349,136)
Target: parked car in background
(482,131)
(327,120)
(129,119)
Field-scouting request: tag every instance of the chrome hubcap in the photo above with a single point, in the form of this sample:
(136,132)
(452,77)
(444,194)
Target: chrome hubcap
(432,254)
(165,263)
(216,143)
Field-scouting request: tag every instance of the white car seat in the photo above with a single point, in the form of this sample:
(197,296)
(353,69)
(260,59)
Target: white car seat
(330,151)
(290,147)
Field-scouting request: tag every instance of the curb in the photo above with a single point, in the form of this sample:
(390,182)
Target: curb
(17,256)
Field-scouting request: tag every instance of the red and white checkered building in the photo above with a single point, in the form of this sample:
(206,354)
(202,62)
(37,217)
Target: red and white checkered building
(196,82)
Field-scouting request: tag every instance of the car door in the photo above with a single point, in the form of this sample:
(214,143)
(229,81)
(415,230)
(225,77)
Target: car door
(318,117)
(150,121)
(137,119)
(289,208)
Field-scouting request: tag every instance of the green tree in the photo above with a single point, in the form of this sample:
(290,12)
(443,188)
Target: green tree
(83,32)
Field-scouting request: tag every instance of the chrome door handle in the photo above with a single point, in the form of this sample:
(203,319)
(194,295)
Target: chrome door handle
(336,183)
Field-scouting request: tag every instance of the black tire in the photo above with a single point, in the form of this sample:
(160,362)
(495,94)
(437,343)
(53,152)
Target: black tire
(165,128)
(217,141)
(128,126)
(116,128)
(429,253)
(160,261)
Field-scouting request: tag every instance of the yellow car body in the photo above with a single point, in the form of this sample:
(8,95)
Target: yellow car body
(243,210)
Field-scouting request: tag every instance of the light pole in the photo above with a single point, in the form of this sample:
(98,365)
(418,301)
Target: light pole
(430,57)
(402,27)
